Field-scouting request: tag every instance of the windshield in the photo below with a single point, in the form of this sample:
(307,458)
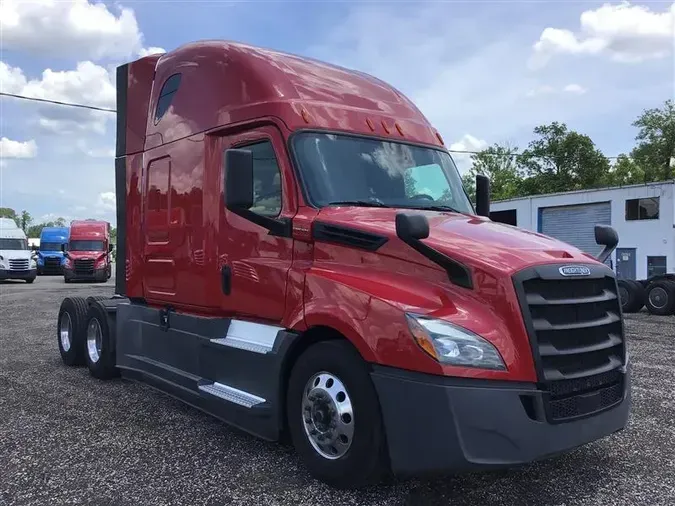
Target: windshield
(366,171)
(14,244)
(85,246)
(50,246)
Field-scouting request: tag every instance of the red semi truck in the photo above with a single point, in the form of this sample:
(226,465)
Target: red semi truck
(299,259)
(88,251)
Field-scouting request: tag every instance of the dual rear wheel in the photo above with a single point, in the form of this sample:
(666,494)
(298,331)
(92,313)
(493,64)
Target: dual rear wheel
(84,336)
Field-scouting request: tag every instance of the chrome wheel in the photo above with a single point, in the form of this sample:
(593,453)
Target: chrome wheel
(94,338)
(658,297)
(65,331)
(328,416)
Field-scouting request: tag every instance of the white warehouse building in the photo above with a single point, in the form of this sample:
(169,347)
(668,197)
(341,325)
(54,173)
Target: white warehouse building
(643,216)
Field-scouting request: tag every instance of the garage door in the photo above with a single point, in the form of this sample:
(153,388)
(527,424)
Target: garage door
(575,225)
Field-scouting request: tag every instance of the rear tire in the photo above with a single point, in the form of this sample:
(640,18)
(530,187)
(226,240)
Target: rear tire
(660,297)
(99,344)
(632,295)
(339,434)
(71,330)
(30,280)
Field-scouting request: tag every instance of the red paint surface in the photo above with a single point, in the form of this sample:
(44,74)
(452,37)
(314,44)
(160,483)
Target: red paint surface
(179,234)
(90,230)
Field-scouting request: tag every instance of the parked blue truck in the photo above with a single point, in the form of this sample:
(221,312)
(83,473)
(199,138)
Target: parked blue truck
(50,258)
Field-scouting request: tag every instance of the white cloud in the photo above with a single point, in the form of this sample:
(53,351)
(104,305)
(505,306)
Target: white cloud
(466,143)
(17,149)
(543,90)
(626,33)
(98,152)
(574,88)
(106,203)
(75,28)
(88,84)
(147,51)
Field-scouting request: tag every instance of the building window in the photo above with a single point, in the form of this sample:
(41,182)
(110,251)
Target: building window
(266,179)
(166,96)
(642,209)
(508,216)
(656,266)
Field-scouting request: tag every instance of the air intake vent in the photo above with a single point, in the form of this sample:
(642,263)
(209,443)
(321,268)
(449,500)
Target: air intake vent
(345,236)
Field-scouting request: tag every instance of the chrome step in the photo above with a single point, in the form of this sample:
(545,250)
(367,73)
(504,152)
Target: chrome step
(231,394)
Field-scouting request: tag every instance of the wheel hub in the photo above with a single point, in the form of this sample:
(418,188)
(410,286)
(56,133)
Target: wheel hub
(327,415)
(94,338)
(65,329)
(658,297)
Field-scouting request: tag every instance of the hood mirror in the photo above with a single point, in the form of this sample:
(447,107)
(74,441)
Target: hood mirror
(412,226)
(606,236)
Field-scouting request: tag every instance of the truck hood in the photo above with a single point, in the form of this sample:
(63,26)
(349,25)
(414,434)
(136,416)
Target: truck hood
(16,254)
(58,254)
(473,240)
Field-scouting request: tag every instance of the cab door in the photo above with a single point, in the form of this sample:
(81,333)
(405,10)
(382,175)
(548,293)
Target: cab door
(253,263)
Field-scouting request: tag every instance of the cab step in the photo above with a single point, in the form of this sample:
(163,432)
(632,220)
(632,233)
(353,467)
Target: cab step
(232,394)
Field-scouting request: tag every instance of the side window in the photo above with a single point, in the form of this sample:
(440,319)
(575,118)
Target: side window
(266,179)
(166,96)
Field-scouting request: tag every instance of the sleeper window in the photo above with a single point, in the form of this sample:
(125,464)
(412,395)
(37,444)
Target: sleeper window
(166,96)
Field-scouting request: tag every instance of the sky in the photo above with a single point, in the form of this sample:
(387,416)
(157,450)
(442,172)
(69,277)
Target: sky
(481,71)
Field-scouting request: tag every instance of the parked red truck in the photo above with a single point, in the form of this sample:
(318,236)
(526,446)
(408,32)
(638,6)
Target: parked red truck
(299,258)
(88,251)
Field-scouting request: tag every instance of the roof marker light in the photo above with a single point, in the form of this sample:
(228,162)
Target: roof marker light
(440,139)
(400,130)
(305,115)
(370,125)
(384,125)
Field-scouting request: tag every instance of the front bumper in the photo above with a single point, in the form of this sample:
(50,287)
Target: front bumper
(95,275)
(28,274)
(439,425)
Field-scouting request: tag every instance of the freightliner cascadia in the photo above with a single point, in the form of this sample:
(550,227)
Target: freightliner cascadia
(50,255)
(297,257)
(88,252)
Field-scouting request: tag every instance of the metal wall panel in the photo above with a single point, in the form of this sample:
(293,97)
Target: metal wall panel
(575,224)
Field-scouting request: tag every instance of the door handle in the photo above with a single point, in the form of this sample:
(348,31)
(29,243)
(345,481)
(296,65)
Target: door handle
(226,279)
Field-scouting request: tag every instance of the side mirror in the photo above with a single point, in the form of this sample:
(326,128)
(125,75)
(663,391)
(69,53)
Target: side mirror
(34,248)
(63,248)
(606,236)
(238,179)
(412,227)
(110,248)
(482,195)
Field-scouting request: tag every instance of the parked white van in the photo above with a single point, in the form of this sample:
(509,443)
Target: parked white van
(16,258)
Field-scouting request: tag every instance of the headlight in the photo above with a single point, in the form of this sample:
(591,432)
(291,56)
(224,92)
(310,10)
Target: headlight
(454,345)
(33,262)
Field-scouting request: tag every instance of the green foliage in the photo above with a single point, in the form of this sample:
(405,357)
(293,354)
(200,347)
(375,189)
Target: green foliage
(561,160)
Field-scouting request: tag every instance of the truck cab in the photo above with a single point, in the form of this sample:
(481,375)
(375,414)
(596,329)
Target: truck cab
(16,258)
(297,257)
(87,252)
(50,257)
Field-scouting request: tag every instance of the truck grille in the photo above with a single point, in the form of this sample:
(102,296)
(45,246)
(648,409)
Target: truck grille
(576,332)
(83,266)
(52,264)
(18,265)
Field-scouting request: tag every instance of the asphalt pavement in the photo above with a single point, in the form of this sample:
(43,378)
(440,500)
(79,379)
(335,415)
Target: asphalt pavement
(66,438)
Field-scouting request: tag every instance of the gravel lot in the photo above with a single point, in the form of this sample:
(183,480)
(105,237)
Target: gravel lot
(66,438)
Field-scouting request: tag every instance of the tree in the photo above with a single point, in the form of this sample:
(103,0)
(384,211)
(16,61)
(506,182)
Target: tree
(25,220)
(500,164)
(562,160)
(625,171)
(656,142)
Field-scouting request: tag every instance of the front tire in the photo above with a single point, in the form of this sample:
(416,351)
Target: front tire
(99,345)
(71,330)
(334,417)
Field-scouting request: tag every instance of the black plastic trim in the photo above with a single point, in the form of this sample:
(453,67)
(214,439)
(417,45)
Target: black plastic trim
(347,236)
(121,203)
(122,82)
(278,227)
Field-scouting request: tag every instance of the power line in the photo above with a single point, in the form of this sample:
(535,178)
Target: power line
(57,102)
(94,108)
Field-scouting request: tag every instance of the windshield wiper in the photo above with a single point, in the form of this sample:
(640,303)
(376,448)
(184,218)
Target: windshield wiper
(360,203)
(436,208)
